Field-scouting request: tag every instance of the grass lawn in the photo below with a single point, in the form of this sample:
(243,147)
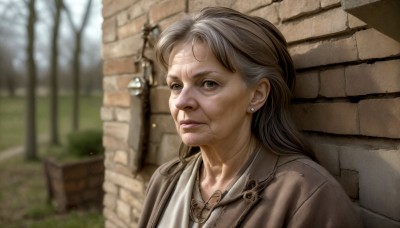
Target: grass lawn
(12,118)
(23,196)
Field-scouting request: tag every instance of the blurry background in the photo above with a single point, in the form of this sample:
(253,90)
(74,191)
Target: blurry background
(50,87)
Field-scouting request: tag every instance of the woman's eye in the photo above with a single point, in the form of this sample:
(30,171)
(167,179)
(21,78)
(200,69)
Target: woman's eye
(175,86)
(209,84)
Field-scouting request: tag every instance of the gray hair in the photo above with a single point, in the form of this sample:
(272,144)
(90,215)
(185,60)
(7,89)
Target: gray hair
(256,49)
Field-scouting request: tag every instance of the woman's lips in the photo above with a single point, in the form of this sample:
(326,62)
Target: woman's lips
(187,124)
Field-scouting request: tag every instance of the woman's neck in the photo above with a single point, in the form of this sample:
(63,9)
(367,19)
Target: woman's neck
(222,164)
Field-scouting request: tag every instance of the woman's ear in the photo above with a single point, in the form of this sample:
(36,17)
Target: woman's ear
(260,94)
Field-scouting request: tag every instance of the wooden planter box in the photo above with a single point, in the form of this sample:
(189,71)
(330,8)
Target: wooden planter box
(76,184)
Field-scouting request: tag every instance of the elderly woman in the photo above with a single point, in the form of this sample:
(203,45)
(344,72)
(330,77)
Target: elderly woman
(242,162)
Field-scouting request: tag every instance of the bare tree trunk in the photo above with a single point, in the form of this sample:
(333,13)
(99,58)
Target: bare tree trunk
(77,62)
(54,136)
(30,125)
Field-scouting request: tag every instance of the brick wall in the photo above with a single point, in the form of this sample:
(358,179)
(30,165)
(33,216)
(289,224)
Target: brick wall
(347,100)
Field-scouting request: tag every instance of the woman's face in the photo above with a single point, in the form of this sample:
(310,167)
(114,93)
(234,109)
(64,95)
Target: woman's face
(208,103)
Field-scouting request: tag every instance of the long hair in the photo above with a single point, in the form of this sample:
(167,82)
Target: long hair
(255,48)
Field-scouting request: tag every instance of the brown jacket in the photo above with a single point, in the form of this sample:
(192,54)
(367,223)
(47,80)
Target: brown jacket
(282,191)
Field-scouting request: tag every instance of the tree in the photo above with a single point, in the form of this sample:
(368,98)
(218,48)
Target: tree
(76,63)
(30,124)
(53,84)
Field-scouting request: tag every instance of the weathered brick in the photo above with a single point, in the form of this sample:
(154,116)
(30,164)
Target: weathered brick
(110,201)
(109,30)
(111,216)
(132,27)
(134,200)
(110,84)
(121,157)
(163,24)
(244,6)
(106,113)
(126,182)
(123,211)
(161,124)
(332,83)
(119,66)
(269,13)
(325,24)
(111,7)
(123,81)
(165,9)
(307,85)
(383,46)
(195,6)
(380,117)
(117,130)
(110,188)
(122,18)
(140,8)
(111,143)
(329,3)
(379,178)
(380,77)
(169,148)
(123,114)
(294,8)
(354,22)
(323,53)
(159,99)
(122,48)
(336,118)
(121,99)
(328,156)
(349,181)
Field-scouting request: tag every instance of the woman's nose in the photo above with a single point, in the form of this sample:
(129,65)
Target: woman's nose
(186,99)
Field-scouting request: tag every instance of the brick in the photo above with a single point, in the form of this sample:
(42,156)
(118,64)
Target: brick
(269,13)
(380,117)
(121,157)
(169,148)
(106,113)
(110,188)
(159,99)
(195,6)
(123,114)
(290,9)
(371,219)
(132,27)
(245,7)
(332,83)
(379,77)
(122,48)
(307,85)
(110,84)
(121,99)
(123,81)
(111,143)
(384,46)
(111,7)
(109,28)
(329,3)
(165,23)
(132,199)
(379,178)
(325,24)
(327,155)
(324,53)
(116,130)
(161,124)
(119,66)
(122,18)
(354,22)
(349,181)
(123,211)
(126,182)
(110,201)
(165,9)
(336,118)
(140,8)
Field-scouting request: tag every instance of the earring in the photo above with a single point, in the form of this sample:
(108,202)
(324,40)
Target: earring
(252,109)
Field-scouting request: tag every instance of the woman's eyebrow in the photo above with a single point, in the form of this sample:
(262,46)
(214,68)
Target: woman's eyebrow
(198,74)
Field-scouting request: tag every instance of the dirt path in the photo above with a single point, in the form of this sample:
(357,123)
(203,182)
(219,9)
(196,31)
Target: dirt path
(11,152)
